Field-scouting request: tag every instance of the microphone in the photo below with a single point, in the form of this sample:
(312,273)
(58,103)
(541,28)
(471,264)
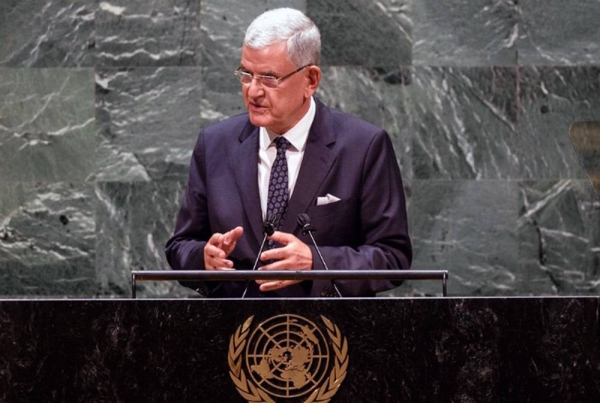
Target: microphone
(303,221)
(268,230)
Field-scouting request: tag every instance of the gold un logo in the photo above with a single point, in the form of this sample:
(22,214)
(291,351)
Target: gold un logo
(287,358)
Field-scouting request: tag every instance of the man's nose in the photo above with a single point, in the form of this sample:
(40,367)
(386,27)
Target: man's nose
(255,88)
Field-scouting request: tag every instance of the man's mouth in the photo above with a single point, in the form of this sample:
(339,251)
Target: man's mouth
(256,107)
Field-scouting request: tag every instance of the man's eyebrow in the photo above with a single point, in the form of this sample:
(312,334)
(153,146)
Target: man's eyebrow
(265,73)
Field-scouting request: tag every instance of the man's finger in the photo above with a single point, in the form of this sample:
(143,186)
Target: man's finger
(232,236)
(282,237)
(218,264)
(276,285)
(216,240)
(214,251)
(273,254)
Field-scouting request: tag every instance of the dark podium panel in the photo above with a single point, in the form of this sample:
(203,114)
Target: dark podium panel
(399,350)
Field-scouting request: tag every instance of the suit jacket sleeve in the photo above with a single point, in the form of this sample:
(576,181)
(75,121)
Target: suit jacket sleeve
(185,249)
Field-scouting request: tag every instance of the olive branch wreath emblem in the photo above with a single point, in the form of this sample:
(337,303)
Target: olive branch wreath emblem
(251,393)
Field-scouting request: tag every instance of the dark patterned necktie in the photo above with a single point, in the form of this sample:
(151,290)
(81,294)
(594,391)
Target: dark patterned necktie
(278,185)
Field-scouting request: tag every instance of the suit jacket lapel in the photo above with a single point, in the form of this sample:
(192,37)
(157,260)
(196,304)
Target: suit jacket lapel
(245,165)
(317,161)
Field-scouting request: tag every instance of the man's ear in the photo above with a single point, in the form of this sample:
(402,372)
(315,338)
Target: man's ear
(313,78)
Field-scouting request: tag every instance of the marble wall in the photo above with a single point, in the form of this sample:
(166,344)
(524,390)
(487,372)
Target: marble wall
(101,103)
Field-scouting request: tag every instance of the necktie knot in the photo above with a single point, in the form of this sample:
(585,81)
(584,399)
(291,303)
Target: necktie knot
(282,144)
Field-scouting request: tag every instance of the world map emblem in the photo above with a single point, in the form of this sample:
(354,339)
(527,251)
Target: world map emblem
(288,358)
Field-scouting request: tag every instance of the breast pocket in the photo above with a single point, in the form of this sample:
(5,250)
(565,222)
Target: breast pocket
(338,207)
(335,223)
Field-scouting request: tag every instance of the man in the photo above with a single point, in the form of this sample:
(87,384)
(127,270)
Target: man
(290,154)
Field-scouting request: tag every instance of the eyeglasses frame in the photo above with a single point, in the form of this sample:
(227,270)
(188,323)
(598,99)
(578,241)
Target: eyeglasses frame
(240,74)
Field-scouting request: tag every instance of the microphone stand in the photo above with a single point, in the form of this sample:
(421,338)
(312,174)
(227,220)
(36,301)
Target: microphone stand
(268,229)
(303,220)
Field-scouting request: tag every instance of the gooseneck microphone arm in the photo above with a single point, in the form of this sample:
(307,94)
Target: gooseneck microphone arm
(268,230)
(303,221)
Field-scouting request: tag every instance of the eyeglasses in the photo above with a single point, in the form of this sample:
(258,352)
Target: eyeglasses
(266,81)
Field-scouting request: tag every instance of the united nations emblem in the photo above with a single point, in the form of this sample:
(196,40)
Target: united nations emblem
(288,358)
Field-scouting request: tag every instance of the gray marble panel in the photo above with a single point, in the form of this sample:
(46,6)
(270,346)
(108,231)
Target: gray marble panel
(47,240)
(465,33)
(55,33)
(142,33)
(364,32)
(221,95)
(465,123)
(555,32)
(149,119)
(134,221)
(224,24)
(585,138)
(551,99)
(559,238)
(12,195)
(376,95)
(469,229)
(46,124)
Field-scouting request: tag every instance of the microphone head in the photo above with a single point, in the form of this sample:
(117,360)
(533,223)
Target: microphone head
(269,225)
(303,221)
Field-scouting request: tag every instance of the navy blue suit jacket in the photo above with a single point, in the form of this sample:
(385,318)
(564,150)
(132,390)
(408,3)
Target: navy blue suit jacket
(344,156)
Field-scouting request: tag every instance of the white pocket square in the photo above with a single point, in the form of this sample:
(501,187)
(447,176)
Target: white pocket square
(321,201)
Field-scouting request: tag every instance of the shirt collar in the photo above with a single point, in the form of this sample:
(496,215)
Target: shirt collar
(297,135)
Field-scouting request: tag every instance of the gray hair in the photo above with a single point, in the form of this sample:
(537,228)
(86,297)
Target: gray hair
(292,26)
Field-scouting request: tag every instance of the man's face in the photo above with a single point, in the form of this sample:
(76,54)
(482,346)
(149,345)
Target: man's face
(278,109)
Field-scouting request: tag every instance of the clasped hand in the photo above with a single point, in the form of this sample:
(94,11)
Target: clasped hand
(293,255)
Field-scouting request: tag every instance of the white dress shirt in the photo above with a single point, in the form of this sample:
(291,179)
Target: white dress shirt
(267,151)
